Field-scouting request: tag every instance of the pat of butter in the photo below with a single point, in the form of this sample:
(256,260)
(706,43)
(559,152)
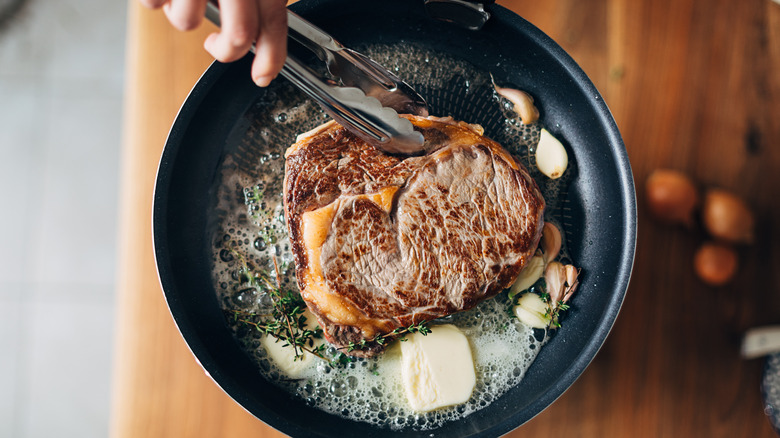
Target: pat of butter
(437,370)
(284,357)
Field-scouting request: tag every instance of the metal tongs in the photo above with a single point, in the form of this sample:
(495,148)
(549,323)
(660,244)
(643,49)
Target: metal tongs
(371,97)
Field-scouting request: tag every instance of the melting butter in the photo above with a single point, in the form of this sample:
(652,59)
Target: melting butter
(437,369)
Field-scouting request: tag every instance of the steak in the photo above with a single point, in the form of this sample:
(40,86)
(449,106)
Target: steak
(382,242)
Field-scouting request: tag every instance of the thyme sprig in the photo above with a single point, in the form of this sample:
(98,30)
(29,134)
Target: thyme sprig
(380,339)
(288,316)
(286,321)
(303,341)
(554,311)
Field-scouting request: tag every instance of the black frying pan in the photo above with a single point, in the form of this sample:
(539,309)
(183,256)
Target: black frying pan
(600,209)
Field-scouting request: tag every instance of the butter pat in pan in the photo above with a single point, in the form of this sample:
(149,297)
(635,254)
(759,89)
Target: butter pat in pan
(437,370)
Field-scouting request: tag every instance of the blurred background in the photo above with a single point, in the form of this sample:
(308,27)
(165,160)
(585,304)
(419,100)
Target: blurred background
(671,366)
(61,87)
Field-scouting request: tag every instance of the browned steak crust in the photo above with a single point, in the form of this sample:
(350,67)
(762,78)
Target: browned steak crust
(382,242)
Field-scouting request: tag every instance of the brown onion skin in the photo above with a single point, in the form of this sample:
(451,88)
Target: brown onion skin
(727,217)
(672,197)
(715,263)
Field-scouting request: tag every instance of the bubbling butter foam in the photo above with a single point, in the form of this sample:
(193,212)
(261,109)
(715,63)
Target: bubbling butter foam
(248,218)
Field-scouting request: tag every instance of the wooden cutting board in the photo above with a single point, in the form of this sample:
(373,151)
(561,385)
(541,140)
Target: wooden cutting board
(694,85)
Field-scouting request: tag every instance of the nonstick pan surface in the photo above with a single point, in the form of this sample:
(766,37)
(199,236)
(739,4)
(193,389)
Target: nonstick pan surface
(599,209)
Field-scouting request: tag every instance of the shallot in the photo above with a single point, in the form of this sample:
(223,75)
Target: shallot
(671,196)
(727,217)
(715,263)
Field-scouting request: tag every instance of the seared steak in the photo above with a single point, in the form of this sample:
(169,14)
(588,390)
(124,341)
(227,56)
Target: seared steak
(383,242)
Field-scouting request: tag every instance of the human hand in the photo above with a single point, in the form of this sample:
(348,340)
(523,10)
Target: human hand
(263,22)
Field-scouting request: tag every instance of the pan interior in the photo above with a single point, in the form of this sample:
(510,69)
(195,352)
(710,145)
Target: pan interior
(223,135)
(249,230)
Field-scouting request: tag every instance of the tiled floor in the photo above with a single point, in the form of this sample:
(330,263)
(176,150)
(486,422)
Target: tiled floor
(61,83)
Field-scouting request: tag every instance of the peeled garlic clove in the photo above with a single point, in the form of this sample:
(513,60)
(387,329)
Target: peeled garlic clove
(533,303)
(551,157)
(551,241)
(532,311)
(528,276)
(523,104)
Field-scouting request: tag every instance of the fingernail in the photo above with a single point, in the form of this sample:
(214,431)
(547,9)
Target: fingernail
(264,81)
(209,42)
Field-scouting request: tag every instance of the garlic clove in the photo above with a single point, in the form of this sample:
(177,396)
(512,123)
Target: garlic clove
(532,311)
(528,276)
(571,272)
(551,157)
(555,276)
(551,241)
(523,104)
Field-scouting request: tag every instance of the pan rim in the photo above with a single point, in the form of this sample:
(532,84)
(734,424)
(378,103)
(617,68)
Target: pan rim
(606,321)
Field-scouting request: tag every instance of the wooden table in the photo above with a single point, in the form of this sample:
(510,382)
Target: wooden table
(693,84)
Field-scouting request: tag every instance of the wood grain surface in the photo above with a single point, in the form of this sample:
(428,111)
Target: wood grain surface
(694,85)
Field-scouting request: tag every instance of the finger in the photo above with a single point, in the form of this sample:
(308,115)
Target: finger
(185,14)
(153,4)
(271,46)
(238,30)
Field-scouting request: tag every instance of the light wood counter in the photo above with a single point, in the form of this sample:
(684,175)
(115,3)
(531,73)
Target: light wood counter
(693,85)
